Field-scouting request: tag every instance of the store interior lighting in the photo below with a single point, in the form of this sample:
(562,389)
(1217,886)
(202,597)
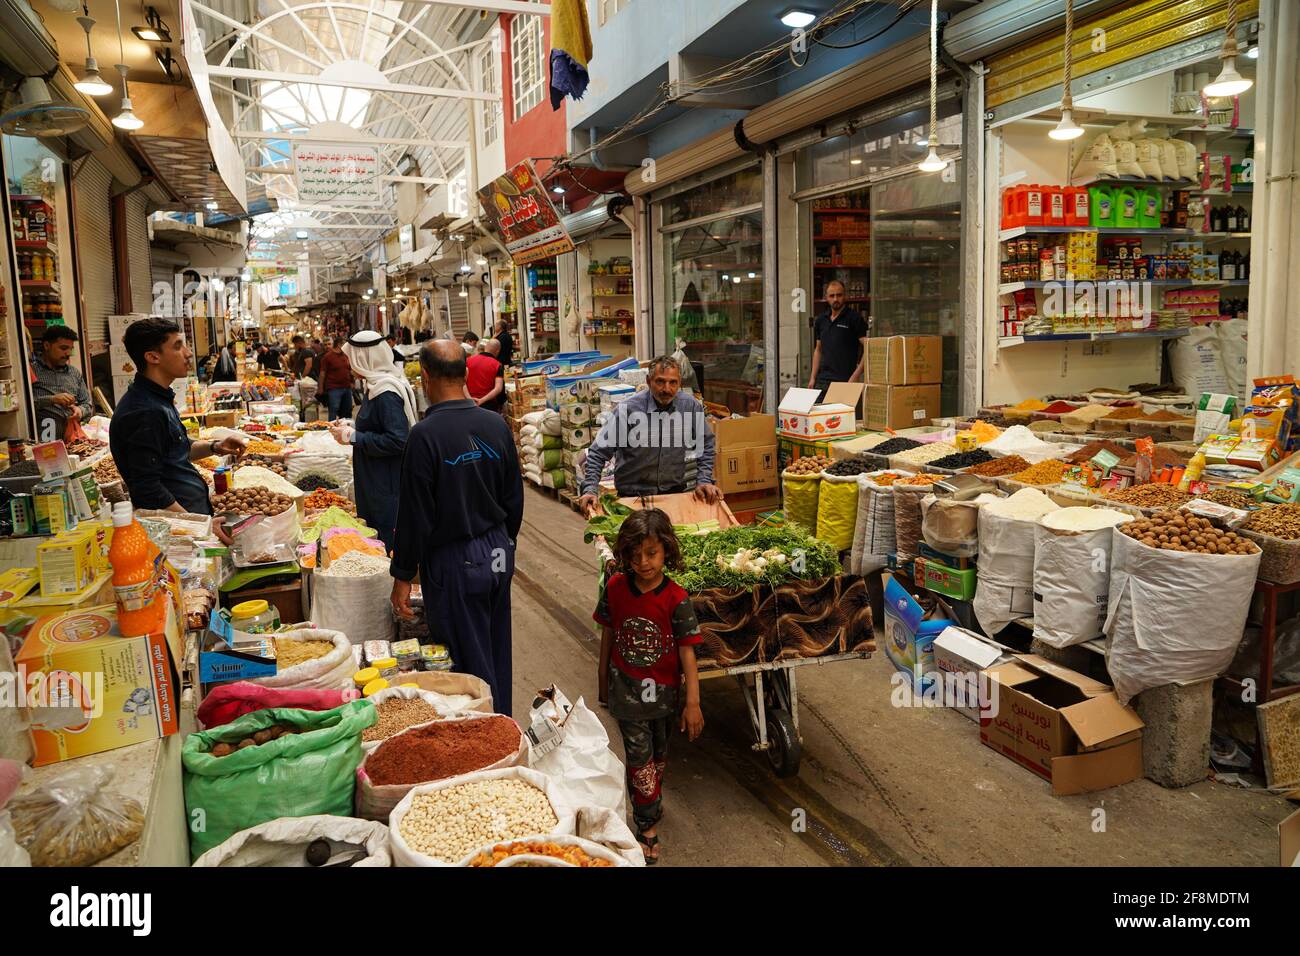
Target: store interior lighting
(1067,129)
(558,190)
(91,83)
(126,118)
(212,205)
(797,19)
(301,234)
(1229,82)
(932,163)
(154,30)
(1253,52)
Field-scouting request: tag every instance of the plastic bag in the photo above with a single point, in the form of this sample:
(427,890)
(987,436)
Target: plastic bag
(1173,615)
(338,467)
(296,775)
(74,819)
(11,854)
(284,842)
(837,510)
(800,494)
(376,801)
(1097,160)
(583,760)
(356,606)
(73,431)
(229,702)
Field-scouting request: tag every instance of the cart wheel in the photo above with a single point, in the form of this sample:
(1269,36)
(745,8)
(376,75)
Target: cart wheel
(783,747)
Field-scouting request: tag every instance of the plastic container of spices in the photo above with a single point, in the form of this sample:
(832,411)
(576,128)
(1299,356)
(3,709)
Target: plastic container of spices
(387,667)
(374,687)
(363,677)
(254,617)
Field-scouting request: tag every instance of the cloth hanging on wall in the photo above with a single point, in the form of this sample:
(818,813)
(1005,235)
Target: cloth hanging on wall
(570,50)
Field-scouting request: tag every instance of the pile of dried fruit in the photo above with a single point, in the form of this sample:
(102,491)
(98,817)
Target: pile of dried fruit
(324,498)
(260,446)
(1229,498)
(267,462)
(1281,521)
(106,472)
(999,467)
(848,467)
(963,459)
(894,446)
(808,465)
(1150,496)
(1044,473)
(568,853)
(1178,531)
(924,478)
(314,482)
(251,501)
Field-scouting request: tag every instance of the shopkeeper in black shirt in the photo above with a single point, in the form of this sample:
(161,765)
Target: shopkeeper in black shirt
(149,444)
(840,334)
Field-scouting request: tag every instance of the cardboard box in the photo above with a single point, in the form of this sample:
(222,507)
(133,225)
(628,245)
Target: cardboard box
(229,655)
(67,562)
(792,449)
(909,635)
(1288,837)
(938,577)
(1065,727)
(960,659)
(120,384)
(900,406)
(117,324)
(110,691)
(578,436)
(745,457)
(800,416)
(904,360)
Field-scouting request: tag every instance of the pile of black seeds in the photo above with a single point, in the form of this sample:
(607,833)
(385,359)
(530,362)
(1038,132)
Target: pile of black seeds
(21,469)
(963,459)
(313,482)
(849,467)
(893,446)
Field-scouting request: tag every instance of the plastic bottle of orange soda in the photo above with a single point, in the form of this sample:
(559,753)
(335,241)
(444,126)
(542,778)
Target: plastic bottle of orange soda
(136,561)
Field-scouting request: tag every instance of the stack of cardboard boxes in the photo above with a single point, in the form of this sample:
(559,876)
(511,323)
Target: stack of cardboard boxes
(903,375)
(806,427)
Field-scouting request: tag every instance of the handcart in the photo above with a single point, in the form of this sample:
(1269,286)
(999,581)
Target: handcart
(771,688)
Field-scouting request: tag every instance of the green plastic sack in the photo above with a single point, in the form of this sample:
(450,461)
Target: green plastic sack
(297,775)
(800,494)
(837,511)
(551,459)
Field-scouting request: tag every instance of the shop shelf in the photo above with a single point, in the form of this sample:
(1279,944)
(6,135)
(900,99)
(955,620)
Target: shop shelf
(1006,288)
(841,267)
(1016,231)
(844,209)
(1012,341)
(41,284)
(1136,181)
(42,245)
(819,238)
(1222,235)
(1242,131)
(1241,189)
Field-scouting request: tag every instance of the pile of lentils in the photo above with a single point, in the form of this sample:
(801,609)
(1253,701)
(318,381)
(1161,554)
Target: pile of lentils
(894,446)
(848,467)
(314,482)
(963,459)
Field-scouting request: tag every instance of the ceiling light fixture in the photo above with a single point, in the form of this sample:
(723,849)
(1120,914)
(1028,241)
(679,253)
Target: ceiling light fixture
(166,61)
(558,190)
(797,19)
(212,205)
(155,31)
(932,163)
(855,162)
(92,84)
(126,119)
(301,233)
(1067,129)
(1253,52)
(480,261)
(1229,82)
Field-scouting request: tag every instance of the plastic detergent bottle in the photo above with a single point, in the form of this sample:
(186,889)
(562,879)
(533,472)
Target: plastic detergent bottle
(1149,204)
(1076,206)
(1126,206)
(1033,206)
(1054,205)
(1101,206)
(137,576)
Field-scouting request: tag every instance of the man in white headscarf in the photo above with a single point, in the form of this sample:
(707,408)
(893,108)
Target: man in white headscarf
(378,437)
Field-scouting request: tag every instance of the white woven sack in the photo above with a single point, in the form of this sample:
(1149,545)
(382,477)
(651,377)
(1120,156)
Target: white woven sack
(357,606)
(284,842)
(1004,589)
(595,850)
(332,672)
(1071,584)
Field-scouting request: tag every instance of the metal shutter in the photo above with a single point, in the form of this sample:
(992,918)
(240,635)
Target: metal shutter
(91,187)
(137,252)
(459,312)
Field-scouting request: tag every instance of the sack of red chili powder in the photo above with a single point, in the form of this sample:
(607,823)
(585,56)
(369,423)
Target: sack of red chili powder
(435,751)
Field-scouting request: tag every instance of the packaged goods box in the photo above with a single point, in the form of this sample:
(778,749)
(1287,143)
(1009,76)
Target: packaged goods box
(792,449)
(801,416)
(910,632)
(745,455)
(88,689)
(904,360)
(900,406)
(1065,727)
(960,659)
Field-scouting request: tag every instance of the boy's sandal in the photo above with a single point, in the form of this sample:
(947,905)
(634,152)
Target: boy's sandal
(648,843)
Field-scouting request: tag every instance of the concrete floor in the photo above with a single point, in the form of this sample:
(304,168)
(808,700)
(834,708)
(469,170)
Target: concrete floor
(879,785)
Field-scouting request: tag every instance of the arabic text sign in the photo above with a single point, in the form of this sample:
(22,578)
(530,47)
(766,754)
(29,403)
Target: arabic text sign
(518,206)
(336,172)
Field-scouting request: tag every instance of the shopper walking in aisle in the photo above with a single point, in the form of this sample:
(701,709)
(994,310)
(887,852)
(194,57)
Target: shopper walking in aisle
(146,437)
(651,437)
(507,341)
(484,377)
(302,361)
(268,358)
(841,336)
(226,368)
(58,387)
(461,505)
(647,652)
(336,381)
(379,436)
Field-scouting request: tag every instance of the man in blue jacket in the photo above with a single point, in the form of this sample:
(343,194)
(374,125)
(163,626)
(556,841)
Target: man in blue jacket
(460,507)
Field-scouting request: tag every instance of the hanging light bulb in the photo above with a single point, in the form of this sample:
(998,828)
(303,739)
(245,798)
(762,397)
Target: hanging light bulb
(463,293)
(92,84)
(932,163)
(126,119)
(1229,82)
(1067,129)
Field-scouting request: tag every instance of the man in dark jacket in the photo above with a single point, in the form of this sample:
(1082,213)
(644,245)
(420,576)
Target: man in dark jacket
(459,512)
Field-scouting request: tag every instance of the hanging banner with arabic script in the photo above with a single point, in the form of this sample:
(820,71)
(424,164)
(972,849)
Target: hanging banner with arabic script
(336,172)
(518,206)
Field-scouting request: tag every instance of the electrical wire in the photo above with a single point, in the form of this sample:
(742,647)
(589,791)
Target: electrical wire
(903,10)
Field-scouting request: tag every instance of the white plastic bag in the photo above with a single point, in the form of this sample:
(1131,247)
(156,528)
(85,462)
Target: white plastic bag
(1174,615)
(332,672)
(284,842)
(11,854)
(1004,589)
(1196,361)
(1071,583)
(356,606)
(583,760)
(404,855)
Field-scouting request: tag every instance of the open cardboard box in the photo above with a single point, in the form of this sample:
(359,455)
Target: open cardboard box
(745,454)
(1065,727)
(800,416)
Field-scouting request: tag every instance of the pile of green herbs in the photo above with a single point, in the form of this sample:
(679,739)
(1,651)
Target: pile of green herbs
(808,558)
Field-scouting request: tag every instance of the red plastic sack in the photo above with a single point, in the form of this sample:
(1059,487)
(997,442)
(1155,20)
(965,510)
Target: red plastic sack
(73,431)
(232,701)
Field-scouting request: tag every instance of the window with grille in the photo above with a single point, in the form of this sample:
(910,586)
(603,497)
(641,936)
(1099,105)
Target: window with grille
(607,8)
(491,118)
(526,56)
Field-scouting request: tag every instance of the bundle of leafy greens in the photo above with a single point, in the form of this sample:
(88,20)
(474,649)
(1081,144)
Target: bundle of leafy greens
(606,524)
(739,558)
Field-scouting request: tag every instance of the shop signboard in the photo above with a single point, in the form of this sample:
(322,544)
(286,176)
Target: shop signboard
(336,172)
(518,206)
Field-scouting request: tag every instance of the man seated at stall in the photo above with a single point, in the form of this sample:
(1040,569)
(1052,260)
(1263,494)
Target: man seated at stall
(652,438)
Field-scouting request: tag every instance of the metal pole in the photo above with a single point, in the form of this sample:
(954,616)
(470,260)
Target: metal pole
(771,284)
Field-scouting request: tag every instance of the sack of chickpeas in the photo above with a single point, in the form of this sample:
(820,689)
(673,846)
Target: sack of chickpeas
(445,823)
(1180,592)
